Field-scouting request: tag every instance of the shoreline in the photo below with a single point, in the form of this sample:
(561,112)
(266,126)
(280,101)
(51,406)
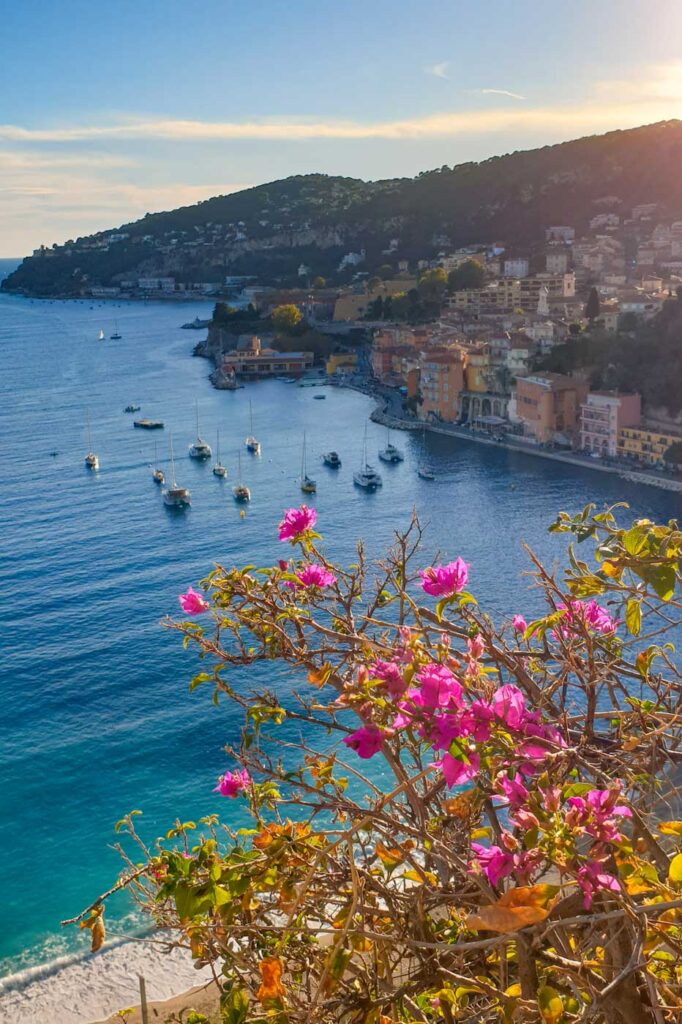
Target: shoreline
(90,988)
(631,474)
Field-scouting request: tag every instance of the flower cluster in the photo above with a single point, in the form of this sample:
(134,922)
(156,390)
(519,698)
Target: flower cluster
(445,580)
(297,523)
(233,784)
(312,575)
(193,603)
(588,614)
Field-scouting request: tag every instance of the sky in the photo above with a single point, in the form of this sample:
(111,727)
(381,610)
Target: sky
(108,111)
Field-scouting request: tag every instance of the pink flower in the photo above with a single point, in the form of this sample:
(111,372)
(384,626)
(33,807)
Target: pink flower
(456,772)
(595,813)
(519,623)
(297,522)
(389,673)
(437,688)
(509,706)
(231,784)
(445,580)
(512,789)
(193,603)
(592,878)
(476,646)
(365,741)
(494,862)
(589,614)
(314,575)
(476,721)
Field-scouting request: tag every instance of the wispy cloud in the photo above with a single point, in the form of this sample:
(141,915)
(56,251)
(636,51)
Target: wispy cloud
(501,92)
(438,70)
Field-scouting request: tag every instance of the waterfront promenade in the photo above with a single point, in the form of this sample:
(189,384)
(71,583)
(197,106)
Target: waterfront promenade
(390,413)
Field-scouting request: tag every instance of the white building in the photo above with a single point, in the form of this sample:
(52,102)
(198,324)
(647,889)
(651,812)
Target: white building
(516,266)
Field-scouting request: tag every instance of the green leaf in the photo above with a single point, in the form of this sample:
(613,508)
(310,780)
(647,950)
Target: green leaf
(633,616)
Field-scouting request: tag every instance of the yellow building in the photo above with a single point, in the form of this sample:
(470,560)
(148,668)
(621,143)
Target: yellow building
(644,445)
(344,362)
(478,370)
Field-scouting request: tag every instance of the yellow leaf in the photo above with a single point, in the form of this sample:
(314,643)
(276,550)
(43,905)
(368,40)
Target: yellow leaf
(390,857)
(271,974)
(611,570)
(319,676)
(98,934)
(495,918)
(670,828)
(675,869)
(551,1006)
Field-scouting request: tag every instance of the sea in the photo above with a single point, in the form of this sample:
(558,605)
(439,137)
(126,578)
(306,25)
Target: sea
(97,716)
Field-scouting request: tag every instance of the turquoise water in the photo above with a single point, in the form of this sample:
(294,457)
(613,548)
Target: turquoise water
(97,717)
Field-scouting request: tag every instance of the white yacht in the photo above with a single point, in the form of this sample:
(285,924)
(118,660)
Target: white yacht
(240,491)
(390,453)
(199,449)
(176,497)
(91,459)
(308,485)
(100,336)
(218,468)
(332,459)
(158,475)
(367,476)
(252,445)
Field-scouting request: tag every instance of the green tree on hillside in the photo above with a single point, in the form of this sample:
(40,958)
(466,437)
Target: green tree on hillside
(469,274)
(286,317)
(592,306)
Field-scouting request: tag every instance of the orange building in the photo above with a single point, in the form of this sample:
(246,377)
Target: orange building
(548,405)
(442,382)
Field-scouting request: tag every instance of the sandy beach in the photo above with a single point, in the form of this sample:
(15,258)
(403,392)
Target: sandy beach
(87,988)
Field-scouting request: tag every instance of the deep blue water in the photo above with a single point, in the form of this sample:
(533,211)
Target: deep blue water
(96,717)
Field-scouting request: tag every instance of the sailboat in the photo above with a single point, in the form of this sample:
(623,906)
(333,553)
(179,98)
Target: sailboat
(100,336)
(251,443)
(158,475)
(390,453)
(308,485)
(91,460)
(218,469)
(199,449)
(367,476)
(115,336)
(176,497)
(424,470)
(241,491)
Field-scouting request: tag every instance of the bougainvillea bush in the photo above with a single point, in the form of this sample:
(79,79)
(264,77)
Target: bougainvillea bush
(451,819)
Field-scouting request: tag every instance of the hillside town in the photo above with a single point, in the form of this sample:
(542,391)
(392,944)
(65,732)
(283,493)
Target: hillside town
(475,362)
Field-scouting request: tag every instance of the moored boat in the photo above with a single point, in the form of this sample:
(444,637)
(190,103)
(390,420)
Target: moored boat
(332,460)
(199,449)
(240,491)
(390,453)
(148,424)
(158,475)
(367,476)
(91,459)
(175,497)
(252,445)
(308,485)
(218,469)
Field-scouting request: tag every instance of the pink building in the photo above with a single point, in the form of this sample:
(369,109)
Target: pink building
(601,419)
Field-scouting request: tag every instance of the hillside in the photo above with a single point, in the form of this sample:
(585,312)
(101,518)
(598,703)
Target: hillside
(315,219)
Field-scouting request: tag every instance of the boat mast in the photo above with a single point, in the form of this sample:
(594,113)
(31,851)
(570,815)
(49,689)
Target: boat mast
(196,406)
(217,447)
(87,427)
(172,462)
(303,473)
